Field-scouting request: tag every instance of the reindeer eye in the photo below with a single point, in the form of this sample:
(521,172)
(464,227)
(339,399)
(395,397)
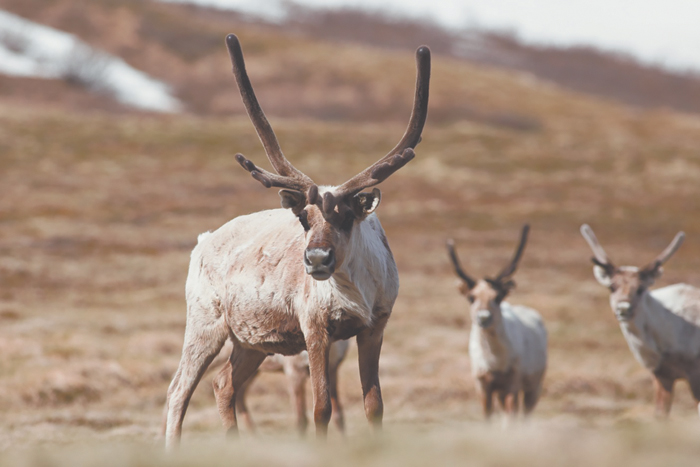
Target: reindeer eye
(613,287)
(470,298)
(303,218)
(640,291)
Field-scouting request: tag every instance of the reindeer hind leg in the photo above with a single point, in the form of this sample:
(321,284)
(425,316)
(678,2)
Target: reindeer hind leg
(197,353)
(297,373)
(337,413)
(231,383)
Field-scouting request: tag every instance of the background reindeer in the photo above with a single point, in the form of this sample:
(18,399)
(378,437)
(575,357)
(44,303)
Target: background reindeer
(662,326)
(507,343)
(299,278)
(296,369)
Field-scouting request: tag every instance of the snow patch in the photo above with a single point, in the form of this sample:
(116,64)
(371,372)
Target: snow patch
(34,50)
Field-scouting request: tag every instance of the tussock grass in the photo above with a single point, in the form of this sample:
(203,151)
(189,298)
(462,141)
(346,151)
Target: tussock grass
(460,444)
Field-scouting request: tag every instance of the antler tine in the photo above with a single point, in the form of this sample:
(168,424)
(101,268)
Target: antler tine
(268,179)
(593,242)
(668,252)
(403,151)
(509,270)
(257,116)
(458,268)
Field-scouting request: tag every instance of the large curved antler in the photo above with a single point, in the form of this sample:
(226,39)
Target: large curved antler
(599,256)
(289,176)
(458,268)
(403,151)
(510,268)
(667,253)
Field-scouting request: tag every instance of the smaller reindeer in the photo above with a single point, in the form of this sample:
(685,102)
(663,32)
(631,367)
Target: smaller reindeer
(662,326)
(296,369)
(508,343)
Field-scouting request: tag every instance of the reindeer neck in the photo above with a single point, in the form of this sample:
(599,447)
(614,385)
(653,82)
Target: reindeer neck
(493,343)
(640,331)
(367,275)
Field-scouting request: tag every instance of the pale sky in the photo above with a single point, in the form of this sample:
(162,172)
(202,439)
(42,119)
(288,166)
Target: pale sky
(665,32)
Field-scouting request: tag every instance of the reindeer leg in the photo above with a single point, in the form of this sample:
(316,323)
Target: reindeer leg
(530,398)
(198,351)
(318,348)
(508,401)
(338,416)
(231,380)
(694,381)
(296,381)
(241,407)
(486,386)
(487,402)
(664,395)
(515,402)
(369,346)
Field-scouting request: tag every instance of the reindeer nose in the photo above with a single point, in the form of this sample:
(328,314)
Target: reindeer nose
(623,310)
(484,318)
(320,263)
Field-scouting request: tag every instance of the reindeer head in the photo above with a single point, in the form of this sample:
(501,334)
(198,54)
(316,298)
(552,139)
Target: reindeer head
(627,284)
(487,294)
(328,214)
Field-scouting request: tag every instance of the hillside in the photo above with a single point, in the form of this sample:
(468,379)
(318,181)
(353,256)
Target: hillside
(182,45)
(99,211)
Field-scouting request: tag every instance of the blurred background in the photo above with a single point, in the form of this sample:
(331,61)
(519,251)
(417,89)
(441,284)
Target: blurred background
(119,120)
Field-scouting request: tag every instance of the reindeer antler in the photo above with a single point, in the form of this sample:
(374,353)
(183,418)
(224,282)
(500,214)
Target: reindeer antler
(510,268)
(458,268)
(289,176)
(600,258)
(667,253)
(403,151)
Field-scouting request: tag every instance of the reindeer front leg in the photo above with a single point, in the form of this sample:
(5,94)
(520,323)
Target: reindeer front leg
(664,395)
(318,347)
(369,346)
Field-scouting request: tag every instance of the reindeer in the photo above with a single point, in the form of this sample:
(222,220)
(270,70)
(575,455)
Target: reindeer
(507,343)
(296,369)
(662,326)
(298,278)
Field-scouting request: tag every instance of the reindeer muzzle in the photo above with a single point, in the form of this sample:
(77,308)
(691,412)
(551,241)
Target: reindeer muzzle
(484,318)
(319,263)
(623,311)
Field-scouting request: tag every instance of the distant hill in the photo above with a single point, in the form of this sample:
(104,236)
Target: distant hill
(584,69)
(301,74)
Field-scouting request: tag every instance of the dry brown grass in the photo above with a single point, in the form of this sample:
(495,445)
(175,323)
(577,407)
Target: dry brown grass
(98,214)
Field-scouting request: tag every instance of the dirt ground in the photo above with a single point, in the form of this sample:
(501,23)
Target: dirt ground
(98,214)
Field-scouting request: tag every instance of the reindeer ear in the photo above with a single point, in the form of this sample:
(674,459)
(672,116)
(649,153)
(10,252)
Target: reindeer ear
(463,287)
(651,274)
(364,204)
(602,276)
(505,289)
(293,200)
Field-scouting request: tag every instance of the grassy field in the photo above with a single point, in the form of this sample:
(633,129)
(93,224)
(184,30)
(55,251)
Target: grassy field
(98,214)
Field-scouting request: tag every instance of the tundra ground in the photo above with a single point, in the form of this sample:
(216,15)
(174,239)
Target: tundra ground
(98,214)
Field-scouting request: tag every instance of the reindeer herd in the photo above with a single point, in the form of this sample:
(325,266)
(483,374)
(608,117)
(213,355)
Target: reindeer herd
(288,287)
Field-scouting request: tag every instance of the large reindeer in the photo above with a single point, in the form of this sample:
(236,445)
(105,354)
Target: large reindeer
(293,279)
(296,369)
(662,326)
(507,343)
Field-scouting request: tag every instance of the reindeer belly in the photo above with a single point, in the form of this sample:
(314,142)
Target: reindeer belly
(498,380)
(268,332)
(677,366)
